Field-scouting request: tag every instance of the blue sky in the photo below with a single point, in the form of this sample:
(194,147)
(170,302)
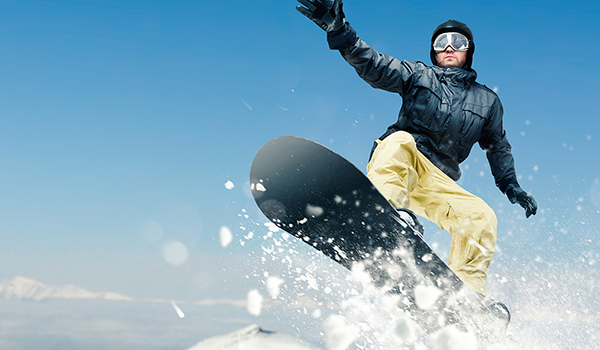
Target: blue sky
(117,116)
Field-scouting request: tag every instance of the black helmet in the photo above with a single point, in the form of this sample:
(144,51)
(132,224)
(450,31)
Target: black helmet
(459,27)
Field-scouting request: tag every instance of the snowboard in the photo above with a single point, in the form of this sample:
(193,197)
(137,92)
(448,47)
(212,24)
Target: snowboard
(322,199)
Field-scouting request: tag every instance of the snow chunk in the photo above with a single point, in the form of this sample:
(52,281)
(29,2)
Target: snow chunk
(314,210)
(405,330)
(451,338)
(497,347)
(271,226)
(225,236)
(254,302)
(359,275)
(178,310)
(310,280)
(427,257)
(273,286)
(426,296)
(339,334)
(229,185)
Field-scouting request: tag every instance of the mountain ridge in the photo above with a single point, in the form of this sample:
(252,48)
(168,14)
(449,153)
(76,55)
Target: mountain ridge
(23,288)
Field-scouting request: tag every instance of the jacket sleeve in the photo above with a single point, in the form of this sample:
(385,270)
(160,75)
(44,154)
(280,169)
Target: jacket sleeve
(497,148)
(381,71)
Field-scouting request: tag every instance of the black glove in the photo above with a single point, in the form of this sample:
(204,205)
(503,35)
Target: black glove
(327,14)
(516,194)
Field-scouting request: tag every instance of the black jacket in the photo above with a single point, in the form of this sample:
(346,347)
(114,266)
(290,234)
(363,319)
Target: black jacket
(444,109)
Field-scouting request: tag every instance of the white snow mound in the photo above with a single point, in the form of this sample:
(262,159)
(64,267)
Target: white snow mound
(253,338)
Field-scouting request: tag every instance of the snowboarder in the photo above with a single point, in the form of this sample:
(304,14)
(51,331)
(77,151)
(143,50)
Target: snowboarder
(415,163)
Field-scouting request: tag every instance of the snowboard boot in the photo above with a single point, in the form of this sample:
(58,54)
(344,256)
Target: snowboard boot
(499,310)
(411,220)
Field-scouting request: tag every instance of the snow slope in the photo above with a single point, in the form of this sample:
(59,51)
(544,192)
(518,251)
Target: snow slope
(253,338)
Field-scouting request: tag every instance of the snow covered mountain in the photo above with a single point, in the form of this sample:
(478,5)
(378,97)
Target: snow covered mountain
(22,288)
(253,338)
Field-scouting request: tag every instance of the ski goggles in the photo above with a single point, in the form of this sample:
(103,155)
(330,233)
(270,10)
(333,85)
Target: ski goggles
(457,41)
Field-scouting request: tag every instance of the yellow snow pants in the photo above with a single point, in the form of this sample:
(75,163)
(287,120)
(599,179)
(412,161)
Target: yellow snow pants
(409,180)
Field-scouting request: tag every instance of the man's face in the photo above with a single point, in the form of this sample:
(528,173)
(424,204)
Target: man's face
(451,58)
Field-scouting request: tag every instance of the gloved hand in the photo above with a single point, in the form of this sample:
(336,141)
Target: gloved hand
(327,14)
(516,194)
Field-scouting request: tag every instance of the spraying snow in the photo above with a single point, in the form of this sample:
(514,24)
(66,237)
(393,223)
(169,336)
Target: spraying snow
(255,301)
(338,333)
(451,338)
(426,296)
(273,286)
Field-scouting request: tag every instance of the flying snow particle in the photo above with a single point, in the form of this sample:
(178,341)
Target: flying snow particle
(359,275)
(405,330)
(316,313)
(273,286)
(339,334)
(178,310)
(426,296)
(314,210)
(271,226)
(254,302)
(451,338)
(225,236)
(389,303)
(229,185)
(310,280)
(175,253)
(427,257)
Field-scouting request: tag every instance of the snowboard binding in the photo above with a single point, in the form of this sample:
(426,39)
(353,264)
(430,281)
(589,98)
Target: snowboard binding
(411,220)
(499,310)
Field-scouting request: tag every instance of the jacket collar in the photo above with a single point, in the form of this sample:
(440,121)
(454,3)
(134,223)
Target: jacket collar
(455,75)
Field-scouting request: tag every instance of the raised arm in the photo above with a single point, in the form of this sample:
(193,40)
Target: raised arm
(381,71)
(378,70)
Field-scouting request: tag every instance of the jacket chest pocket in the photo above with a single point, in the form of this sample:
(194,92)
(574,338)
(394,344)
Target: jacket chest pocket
(426,109)
(474,118)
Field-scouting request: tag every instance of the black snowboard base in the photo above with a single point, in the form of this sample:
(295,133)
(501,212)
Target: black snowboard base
(321,198)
